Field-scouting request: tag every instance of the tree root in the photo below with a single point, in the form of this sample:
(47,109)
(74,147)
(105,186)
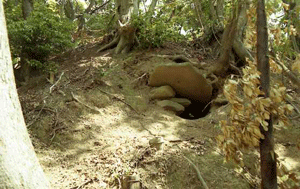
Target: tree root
(110,45)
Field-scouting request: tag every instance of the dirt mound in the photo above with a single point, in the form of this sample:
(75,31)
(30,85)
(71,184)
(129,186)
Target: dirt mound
(93,129)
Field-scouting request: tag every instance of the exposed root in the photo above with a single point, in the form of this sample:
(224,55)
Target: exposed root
(110,45)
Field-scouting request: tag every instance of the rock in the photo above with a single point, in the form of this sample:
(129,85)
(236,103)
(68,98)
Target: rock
(185,79)
(163,92)
(183,101)
(172,106)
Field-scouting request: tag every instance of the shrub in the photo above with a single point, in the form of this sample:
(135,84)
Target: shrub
(43,33)
(155,32)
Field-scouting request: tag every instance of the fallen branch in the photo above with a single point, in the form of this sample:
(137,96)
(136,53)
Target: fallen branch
(80,102)
(141,77)
(196,169)
(35,119)
(51,88)
(287,72)
(82,185)
(114,97)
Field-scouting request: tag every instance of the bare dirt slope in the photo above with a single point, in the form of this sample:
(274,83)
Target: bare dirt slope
(92,129)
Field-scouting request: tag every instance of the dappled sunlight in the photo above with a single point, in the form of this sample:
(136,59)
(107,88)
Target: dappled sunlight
(288,159)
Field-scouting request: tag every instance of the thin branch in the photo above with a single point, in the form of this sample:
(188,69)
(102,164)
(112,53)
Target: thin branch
(80,102)
(36,116)
(196,169)
(99,7)
(114,97)
(51,88)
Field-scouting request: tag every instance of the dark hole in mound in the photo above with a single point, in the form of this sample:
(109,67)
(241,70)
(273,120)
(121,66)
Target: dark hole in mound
(180,60)
(195,111)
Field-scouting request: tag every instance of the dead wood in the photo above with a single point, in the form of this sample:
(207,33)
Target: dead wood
(80,102)
(52,87)
(288,73)
(115,97)
(196,169)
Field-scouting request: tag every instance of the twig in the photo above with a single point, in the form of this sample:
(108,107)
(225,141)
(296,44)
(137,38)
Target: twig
(36,116)
(82,185)
(51,88)
(295,107)
(79,101)
(236,69)
(197,170)
(288,72)
(55,129)
(215,79)
(206,106)
(139,77)
(117,98)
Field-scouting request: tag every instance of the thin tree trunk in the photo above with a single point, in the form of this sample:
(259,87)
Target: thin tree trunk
(27,7)
(69,10)
(229,34)
(19,167)
(267,154)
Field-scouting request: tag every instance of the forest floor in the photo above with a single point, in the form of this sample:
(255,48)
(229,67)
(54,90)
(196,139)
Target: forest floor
(92,128)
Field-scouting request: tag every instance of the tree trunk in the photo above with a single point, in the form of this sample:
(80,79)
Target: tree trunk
(27,7)
(24,71)
(229,34)
(69,10)
(19,167)
(238,46)
(125,38)
(267,154)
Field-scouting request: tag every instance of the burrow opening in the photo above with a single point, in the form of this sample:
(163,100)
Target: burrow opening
(195,111)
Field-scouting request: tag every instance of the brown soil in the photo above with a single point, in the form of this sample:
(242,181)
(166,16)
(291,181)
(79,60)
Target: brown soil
(93,129)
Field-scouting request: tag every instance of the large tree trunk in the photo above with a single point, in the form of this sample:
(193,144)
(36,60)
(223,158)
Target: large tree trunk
(19,167)
(267,154)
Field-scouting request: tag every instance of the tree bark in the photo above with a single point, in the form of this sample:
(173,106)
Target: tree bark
(125,38)
(267,154)
(27,7)
(69,10)
(19,167)
(24,71)
(229,34)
